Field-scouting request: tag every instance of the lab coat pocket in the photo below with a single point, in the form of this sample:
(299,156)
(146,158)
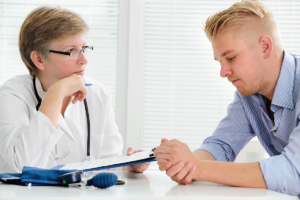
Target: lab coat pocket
(67,151)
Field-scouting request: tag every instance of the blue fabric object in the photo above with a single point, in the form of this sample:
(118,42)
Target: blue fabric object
(247,117)
(35,176)
(11,178)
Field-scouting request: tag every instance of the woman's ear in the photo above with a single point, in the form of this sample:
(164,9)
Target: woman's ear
(267,45)
(38,60)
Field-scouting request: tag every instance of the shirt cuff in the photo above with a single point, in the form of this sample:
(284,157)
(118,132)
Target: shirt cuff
(48,124)
(215,150)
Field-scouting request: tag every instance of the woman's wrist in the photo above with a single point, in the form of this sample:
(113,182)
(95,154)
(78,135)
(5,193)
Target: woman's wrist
(58,89)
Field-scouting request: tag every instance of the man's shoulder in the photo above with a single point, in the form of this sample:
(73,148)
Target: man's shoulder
(297,69)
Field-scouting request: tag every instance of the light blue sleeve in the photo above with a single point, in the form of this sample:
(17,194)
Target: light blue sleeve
(232,133)
(281,172)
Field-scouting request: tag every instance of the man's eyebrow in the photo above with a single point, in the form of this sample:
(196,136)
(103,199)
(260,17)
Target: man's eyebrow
(226,52)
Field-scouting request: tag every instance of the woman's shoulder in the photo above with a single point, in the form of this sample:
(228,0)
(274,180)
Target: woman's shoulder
(19,83)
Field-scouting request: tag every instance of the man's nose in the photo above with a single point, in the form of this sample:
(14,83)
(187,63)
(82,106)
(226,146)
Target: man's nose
(225,70)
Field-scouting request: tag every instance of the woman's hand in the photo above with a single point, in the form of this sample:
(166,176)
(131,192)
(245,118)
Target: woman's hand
(52,103)
(72,86)
(140,168)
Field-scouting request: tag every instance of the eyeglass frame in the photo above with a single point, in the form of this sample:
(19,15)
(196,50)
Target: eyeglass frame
(69,53)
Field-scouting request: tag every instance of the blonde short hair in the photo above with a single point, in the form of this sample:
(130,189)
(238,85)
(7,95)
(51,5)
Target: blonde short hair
(240,12)
(43,26)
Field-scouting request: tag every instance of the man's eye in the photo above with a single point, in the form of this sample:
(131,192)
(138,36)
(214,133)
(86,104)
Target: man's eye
(230,59)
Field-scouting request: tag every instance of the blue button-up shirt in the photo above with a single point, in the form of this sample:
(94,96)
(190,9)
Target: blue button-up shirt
(247,117)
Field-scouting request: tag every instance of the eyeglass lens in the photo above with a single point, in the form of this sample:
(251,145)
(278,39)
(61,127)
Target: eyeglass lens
(75,53)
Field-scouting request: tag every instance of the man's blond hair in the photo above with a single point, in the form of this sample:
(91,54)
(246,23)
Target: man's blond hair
(43,26)
(240,13)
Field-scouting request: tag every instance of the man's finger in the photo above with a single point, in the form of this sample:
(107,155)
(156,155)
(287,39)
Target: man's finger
(171,144)
(163,149)
(164,140)
(175,169)
(189,177)
(176,141)
(164,164)
(185,170)
(172,159)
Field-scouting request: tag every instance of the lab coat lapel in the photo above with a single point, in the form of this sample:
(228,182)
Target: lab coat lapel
(66,143)
(63,125)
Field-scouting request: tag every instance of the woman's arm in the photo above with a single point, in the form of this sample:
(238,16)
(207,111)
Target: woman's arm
(52,103)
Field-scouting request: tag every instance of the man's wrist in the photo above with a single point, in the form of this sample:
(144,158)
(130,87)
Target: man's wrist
(199,170)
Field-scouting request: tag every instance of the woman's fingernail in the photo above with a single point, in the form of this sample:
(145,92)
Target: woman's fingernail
(129,152)
(182,164)
(194,168)
(190,164)
(167,165)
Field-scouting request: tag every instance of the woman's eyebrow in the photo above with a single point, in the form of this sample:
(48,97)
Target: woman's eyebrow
(73,46)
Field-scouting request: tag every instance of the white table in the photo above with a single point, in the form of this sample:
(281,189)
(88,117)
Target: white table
(149,185)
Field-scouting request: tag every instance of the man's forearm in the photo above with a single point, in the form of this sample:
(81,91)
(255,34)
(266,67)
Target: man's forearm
(233,174)
(203,155)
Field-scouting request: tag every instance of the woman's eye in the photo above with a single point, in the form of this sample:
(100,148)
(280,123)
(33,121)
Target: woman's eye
(70,50)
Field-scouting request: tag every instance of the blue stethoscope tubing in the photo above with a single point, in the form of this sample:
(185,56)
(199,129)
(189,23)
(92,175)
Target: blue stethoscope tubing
(39,99)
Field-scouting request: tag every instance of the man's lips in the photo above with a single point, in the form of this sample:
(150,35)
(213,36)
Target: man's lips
(234,81)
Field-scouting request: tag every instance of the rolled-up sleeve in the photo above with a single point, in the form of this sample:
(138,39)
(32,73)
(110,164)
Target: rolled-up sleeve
(281,172)
(231,135)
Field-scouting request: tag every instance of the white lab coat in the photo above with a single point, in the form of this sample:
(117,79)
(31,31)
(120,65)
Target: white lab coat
(27,137)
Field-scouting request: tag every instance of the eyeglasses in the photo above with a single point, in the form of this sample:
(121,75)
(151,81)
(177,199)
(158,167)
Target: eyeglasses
(75,53)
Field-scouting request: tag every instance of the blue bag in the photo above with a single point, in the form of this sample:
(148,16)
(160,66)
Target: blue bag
(35,176)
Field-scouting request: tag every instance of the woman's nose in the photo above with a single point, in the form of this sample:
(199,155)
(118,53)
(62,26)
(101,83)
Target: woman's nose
(82,59)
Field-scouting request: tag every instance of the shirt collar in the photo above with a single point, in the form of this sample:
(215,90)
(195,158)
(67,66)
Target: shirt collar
(39,88)
(283,95)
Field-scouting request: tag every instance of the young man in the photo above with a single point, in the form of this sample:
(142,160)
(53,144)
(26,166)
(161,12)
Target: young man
(246,41)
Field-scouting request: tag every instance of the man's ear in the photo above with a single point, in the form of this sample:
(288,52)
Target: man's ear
(38,60)
(267,46)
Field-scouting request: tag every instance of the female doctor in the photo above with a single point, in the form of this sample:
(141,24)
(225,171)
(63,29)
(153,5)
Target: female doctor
(50,117)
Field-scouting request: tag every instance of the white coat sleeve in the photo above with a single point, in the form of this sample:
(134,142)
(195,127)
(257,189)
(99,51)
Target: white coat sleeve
(26,136)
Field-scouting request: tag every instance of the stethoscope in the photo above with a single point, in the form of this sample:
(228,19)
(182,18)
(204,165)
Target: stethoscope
(56,157)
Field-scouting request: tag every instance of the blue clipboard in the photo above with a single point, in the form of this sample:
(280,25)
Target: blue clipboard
(151,158)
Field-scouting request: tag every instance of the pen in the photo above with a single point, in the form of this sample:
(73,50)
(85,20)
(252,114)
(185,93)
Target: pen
(88,84)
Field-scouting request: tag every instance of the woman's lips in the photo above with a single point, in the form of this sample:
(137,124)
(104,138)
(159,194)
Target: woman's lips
(79,73)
